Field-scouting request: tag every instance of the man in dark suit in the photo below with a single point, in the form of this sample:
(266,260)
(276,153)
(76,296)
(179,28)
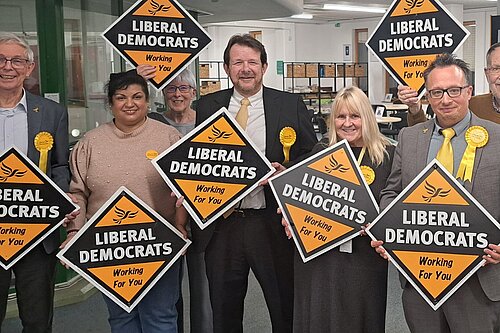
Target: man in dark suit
(23,116)
(252,237)
(475,307)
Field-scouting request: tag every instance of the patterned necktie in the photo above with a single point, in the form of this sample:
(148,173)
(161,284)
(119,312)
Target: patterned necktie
(242,115)
(445,153)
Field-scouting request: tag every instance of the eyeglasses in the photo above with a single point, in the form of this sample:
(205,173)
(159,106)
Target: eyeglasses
(452,92)
(182,89)
(492,70)
(15,62)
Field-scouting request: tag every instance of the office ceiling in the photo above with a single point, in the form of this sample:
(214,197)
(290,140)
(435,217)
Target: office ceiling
(212,11)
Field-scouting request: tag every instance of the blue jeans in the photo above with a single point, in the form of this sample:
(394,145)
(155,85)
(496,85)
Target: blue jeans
(155,313)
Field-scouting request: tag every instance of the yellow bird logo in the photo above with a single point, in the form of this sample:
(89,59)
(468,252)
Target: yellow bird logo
(157,8)
(218,134)
(434,192)
(123,215)
(335,166)
(8,172)
(413,4)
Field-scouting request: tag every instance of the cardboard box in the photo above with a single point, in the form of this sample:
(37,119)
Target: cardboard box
(359,70)
(204,71)
(296,70)
(340,70)
(328,70)
(312,70)
(349,70)
(208,87)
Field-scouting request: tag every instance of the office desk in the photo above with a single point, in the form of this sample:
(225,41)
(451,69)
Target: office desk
(395,107)
(388,120)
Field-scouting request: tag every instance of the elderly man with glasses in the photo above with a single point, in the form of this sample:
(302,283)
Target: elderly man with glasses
(23,116)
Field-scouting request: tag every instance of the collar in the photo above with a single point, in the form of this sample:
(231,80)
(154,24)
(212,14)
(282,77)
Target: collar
(495,107)
(22,105)
(459,127)
(253,99)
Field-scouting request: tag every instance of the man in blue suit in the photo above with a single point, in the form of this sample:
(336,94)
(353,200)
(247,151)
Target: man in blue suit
(22,117)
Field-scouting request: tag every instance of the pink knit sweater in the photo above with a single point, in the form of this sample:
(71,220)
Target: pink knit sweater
(107,158)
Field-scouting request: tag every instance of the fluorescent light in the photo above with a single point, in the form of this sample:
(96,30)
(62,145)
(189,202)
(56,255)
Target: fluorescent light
(350,8)
(303,16)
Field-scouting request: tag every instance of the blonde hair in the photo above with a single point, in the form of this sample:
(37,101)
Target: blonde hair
(356,102)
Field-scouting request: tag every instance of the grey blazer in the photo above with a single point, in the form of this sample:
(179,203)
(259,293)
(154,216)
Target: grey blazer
(411,157)
(45,115)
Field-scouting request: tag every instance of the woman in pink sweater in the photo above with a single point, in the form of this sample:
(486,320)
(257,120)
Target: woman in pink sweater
(118,154)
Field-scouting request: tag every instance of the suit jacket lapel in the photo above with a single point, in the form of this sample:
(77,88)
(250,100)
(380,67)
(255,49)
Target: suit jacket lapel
(423,142)
(35,114)
(272,111)
(223,99)
(479,152)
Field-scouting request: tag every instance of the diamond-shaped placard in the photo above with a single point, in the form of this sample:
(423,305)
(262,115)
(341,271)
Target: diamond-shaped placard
(325,199)
(124,249)
(160,33)
(410,36)
(213,167)
(31,206)
(435,233)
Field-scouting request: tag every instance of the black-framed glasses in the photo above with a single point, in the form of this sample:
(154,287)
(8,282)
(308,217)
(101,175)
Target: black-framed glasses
(14,62)
(492,70)
(182,89)
(452,92)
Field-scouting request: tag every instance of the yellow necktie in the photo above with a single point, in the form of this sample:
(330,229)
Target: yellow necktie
(242,115)
(445,153)
(242,119)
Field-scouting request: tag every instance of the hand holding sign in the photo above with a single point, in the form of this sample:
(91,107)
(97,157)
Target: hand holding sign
(492,255)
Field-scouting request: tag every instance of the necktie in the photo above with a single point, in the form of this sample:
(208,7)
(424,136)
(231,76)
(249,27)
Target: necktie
(242,115)
(445,153)
(242,119)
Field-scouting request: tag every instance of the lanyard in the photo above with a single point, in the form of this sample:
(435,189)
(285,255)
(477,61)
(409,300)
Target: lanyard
(361,154)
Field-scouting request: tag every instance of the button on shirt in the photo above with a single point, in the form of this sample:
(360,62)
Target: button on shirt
(457,142)
(256,130)
(14,126)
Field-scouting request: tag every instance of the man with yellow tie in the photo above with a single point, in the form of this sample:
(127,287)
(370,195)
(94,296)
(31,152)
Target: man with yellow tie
(251,237)
(450,137)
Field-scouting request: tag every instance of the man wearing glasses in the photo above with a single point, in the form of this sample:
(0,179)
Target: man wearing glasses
(475,307)
(23,116)
(486,106)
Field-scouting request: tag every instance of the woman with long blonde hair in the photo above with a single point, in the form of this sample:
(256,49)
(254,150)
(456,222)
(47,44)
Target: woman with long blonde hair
(345,289)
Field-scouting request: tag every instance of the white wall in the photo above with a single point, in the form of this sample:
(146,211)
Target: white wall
(323,42)
(278,39)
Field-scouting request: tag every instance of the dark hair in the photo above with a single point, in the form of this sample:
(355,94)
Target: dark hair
(490,51)
(446,60)
(122,80)
(245,40)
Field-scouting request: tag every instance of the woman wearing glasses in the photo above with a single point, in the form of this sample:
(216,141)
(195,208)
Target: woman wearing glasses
(179,94)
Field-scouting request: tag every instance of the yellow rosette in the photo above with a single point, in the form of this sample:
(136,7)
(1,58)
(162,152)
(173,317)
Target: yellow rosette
(151,154)
(43,143)
(287,139)
(368,173)
(476,137)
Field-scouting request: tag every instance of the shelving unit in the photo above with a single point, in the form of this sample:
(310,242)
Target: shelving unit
(319,82)
(212,77)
